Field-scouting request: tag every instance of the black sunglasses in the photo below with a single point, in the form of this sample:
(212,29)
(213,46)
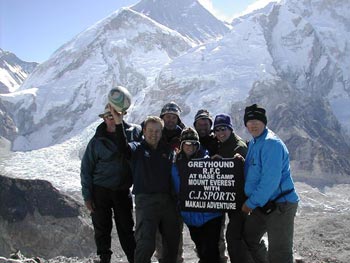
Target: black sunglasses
(190,143)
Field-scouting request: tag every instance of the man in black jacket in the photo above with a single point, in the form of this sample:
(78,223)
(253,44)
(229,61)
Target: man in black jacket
(151,161)
(106,179)
(173,125)
(203,123)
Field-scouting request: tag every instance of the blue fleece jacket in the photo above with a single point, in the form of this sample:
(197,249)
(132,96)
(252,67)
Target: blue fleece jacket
(267,171)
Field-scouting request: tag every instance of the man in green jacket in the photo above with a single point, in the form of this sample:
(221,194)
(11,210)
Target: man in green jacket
(229,146)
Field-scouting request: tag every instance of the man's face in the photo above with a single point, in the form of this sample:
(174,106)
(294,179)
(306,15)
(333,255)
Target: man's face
(222,133)
(108,119)
(152,133)
(170,121)
(255,127)
(203,127)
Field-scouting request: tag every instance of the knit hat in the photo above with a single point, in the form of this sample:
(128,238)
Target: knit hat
(223,120)
(189,135)
(255,112)
(106,112)
(172,108)
(203,114)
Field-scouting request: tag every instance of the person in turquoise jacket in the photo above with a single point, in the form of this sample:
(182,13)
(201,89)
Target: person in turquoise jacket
(204,227)
(272,200)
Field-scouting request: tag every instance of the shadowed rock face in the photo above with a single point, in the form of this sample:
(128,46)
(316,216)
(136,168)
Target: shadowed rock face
(38,220)
(318,149)
(21,197)
(7,126)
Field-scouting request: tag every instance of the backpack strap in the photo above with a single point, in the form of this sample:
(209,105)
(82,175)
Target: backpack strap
(283,194)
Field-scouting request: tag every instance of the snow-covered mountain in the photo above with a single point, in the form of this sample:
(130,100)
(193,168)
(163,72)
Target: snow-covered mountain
(291,57)
(188,17)
(286,57)
(13,71)
(65,94)
(285,60)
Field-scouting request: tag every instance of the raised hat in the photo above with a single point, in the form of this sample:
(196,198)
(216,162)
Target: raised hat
(119,98)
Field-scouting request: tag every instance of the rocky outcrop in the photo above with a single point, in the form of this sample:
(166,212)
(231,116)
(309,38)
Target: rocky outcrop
(318,148)
(38,220)
(7,126)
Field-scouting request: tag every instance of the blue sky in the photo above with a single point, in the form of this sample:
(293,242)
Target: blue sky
(34,29)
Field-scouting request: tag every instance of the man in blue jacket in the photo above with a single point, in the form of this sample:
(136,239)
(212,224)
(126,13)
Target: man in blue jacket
(106,179)
(268,181)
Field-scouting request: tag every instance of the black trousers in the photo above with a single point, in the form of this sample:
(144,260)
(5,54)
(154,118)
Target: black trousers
(206,239)
(118,203)
(236,246)
(156,211)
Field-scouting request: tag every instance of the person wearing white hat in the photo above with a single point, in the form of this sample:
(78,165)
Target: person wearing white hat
(105,180)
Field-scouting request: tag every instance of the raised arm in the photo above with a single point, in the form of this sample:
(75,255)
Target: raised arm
(122,141)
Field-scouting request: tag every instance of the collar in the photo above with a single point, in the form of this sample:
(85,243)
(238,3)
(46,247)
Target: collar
(261,136)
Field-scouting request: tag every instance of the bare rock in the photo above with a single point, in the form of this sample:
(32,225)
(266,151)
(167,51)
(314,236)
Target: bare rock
(37,219)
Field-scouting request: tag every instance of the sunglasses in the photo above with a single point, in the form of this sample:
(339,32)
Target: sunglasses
(190,143)
(109,117)
(220,129)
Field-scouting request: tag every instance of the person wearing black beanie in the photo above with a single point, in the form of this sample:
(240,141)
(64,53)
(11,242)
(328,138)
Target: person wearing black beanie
(255,112)
(272,200)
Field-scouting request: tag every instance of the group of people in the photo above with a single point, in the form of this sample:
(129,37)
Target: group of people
(150,158)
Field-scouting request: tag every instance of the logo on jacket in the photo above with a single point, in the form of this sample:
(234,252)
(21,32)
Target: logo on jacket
(147,154)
